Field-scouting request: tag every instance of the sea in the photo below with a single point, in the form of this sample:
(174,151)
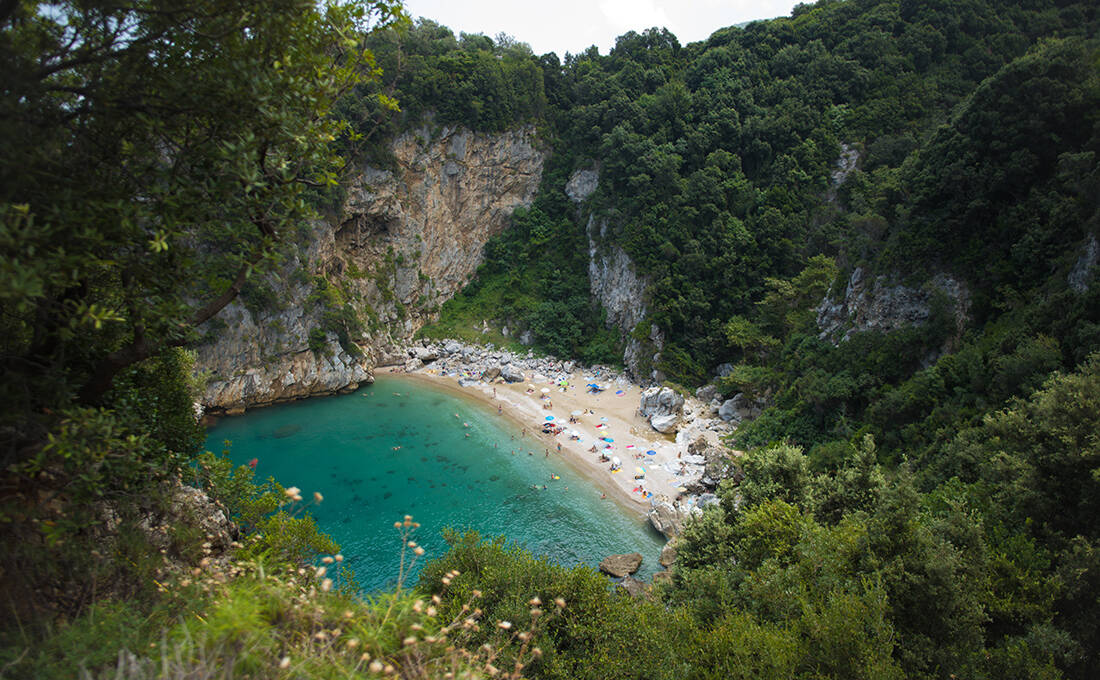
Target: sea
(401,447)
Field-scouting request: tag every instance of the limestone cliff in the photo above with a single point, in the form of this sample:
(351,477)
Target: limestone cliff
(876,304)
(409,237)
(616,285)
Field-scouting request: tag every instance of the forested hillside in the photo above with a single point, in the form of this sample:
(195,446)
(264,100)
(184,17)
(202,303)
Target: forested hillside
(918,499)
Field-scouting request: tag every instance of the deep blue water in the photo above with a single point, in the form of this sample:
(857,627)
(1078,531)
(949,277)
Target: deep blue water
(343,447)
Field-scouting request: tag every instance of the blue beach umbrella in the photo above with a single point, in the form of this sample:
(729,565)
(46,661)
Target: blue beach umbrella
(549,417)
(651,452)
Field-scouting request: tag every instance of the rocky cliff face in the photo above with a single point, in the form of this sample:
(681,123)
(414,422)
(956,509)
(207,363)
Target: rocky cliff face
(616,285)
(408,239)
(876,304)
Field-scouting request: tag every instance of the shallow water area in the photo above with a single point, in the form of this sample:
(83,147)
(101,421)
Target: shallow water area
(398,447)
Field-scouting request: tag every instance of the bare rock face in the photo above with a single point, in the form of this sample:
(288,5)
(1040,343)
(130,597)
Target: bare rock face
(668,516)
(582,184)
(620,290)
(409,237)
(1082,273)
(668,554)
(663,406)
(876,305)
(621,565)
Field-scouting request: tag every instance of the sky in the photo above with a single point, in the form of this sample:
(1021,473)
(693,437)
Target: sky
(573,25)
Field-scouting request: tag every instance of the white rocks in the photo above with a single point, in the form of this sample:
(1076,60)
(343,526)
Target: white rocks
(663,407)
(740,408)
(582,184)
(668,516)
(512,373)
(665,424)
(877,305)
(1082,273)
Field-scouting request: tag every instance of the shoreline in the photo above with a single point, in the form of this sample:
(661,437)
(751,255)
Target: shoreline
(613,414)
(631,503)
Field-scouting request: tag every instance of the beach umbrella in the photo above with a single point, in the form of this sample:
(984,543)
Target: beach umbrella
(651,452)
(615,460)
(640,471)
(576,413)
(549,417)
(608,439)
(604,419)
(546,390)
(629,446)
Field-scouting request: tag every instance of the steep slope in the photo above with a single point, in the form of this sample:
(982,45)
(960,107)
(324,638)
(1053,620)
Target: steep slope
(408,238)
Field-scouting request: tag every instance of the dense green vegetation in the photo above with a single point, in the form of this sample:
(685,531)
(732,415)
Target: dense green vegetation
(915,504)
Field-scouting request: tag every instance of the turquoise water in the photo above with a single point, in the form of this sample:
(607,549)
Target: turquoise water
(343,447)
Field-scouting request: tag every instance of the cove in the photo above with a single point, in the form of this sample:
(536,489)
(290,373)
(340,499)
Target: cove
(344,447)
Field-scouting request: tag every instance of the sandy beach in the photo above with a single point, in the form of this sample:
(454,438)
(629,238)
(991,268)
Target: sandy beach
(608,421)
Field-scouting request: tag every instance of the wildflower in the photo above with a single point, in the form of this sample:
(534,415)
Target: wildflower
(327,560)
(320,572)
(293,493)
(317,497)
(436,599)
(417,627)
(491,669)
(320,636)
(375,666)
(326,585)
(504,625)
(409,641)
(560,602)
(338,557)
(418,606)
(524,636)
(476,593)
(348,614)
(418,550)
(412,544)
(536,652)
(389,670)
(535,613)
(284,662)
(534,602)
(352,643)
(431,611)
(397,525)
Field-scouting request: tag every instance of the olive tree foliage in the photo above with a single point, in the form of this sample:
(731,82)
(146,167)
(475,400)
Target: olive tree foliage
(153,154)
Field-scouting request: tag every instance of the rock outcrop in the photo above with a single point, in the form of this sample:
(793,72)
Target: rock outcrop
(740,408)
(617,286)
(875,304)
(662,406)
(1083,270)
(668,516)
(408,239)
(621,565)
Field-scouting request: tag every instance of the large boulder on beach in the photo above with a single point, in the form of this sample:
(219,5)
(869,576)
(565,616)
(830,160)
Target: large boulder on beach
(413,364)
(621,565)
(491,373)
(512,373)
(660,401)
(425,354)
(665,424)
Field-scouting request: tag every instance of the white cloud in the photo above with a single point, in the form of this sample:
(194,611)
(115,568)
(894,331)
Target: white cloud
(574,25)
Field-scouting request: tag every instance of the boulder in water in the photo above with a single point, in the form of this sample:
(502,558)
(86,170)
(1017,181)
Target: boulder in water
(621,565)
